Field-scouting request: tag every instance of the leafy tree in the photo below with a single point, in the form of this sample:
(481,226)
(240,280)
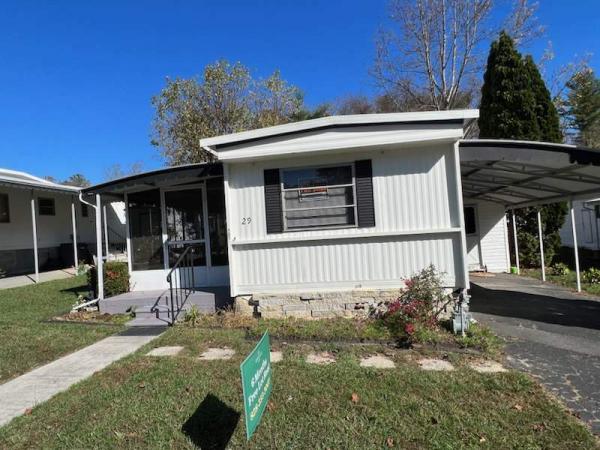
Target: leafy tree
(77,179)
(508,102)
(515,104)
(322,110)
(226,100)
(582,108)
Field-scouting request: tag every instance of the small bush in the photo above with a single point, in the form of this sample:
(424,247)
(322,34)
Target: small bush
(559,269)
(116,278)
(592,276)
(416,310)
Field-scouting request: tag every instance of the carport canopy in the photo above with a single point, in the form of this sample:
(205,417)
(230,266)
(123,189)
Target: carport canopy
(518,174)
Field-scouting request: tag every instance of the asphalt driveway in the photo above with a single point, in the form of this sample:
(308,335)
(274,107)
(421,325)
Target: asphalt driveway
(552,333)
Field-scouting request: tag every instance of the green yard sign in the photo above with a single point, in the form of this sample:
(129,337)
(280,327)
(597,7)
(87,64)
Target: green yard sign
(256,383)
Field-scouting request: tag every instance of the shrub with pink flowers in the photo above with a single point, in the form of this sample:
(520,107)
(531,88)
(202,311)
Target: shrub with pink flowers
(418,307)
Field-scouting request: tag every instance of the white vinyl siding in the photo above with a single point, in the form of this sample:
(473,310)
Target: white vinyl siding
(493,240)
(416,224)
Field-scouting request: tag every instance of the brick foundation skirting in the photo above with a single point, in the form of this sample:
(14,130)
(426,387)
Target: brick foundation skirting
(313,305)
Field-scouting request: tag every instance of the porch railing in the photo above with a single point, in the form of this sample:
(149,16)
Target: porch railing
(181,282)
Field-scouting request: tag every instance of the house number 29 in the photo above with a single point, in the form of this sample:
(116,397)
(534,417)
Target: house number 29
(246,220)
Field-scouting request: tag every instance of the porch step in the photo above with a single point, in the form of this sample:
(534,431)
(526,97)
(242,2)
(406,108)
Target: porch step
(156,304)
(147,322)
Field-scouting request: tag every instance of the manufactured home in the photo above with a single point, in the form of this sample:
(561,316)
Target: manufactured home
(44,225)
(326,216)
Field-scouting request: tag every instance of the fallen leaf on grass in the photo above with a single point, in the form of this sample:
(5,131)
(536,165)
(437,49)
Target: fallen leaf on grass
(27,412)
(389,442)
(538,427)
(270,406)
(142,385)
(517,407)
(354,397)
(482,439)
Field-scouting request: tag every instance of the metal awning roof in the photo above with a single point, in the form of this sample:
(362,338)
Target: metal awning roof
(14,178)
(169,176)
(520,173)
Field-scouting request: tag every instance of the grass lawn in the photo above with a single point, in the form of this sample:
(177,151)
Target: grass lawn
(568,280)
(183,402)
(27,339)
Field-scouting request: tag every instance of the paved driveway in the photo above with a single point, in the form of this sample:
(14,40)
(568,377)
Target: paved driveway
(553,333)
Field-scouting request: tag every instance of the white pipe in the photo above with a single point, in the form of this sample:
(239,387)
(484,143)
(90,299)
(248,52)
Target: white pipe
(99,262)
(516,241)
(35,240)
(75,256)
(541,238)
(105,230)
(575,246)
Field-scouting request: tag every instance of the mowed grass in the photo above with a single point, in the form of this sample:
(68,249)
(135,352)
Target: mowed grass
(183,402)
(569,280)
(27,340)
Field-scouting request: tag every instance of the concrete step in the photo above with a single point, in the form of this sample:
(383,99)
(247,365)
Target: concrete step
(148,322)
(153,303)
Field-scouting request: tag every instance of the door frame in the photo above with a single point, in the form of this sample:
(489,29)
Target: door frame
(476,235)
(206,238)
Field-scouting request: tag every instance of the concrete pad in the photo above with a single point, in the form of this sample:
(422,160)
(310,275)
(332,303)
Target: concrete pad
(439,365)
(487,367)
(25,280)
(378,362)
(276,357)
(165,351)
(217,353)
(321,358)
(39,385)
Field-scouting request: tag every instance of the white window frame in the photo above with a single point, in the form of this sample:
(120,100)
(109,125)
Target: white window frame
(353,205)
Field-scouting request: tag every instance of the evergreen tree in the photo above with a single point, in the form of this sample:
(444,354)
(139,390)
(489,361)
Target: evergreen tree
(515,104)
(545,111)
(508,103)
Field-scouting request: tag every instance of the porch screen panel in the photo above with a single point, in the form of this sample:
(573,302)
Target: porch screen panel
(185,225)
(145,230)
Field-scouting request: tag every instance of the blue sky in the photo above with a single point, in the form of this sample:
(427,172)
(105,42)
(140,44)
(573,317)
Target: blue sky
(76,77)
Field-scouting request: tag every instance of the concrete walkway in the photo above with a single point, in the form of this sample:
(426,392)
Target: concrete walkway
(25,280)
(39,385)
(552,333)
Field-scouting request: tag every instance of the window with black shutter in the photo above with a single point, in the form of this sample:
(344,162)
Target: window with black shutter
(322,197)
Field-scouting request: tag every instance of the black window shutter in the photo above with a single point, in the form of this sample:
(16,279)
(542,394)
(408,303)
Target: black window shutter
(364,193)
(273,201)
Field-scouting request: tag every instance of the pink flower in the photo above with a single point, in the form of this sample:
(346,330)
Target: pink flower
(410,328)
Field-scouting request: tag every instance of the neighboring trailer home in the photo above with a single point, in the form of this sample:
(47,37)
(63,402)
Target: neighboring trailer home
(40,221)
(327,216)
(587,219)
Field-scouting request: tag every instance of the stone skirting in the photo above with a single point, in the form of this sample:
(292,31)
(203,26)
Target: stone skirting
(314,305)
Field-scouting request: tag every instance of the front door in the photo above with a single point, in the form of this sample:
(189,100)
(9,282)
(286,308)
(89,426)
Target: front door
(186,226)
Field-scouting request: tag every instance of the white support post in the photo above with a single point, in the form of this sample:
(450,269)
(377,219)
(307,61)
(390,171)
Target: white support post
(74,219)
(105,230)
(575,246)
(99,262)
(516,241)
(35,240)
(541,238)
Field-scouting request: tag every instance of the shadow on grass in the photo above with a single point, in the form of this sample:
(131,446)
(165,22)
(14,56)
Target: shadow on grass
(212,424)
